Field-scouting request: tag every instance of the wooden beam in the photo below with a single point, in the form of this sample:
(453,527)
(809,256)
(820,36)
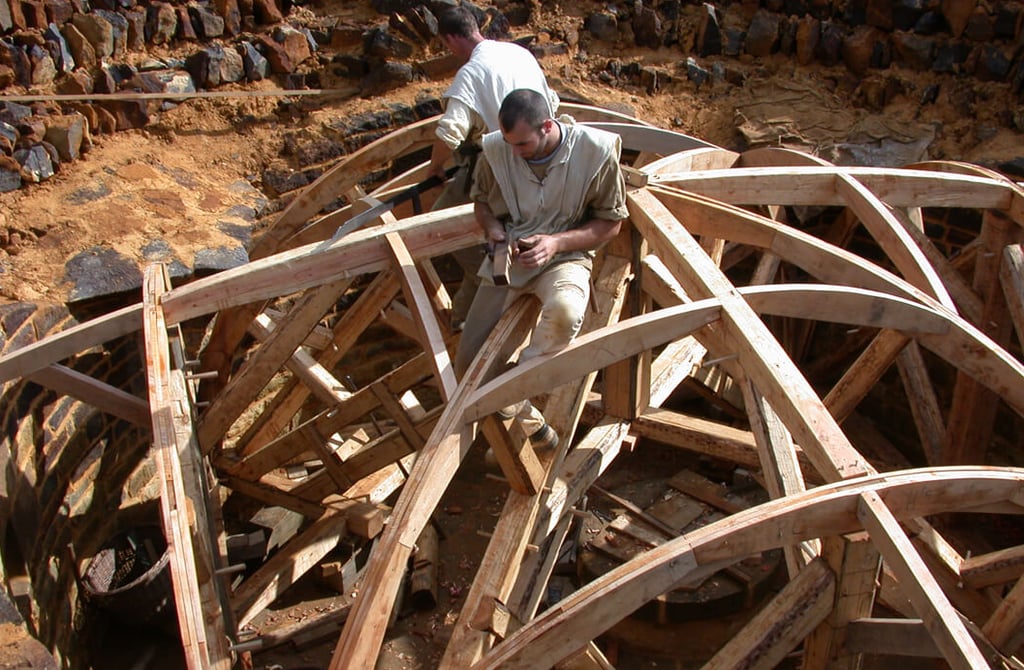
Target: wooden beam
(60,346)
(916,581)
(1003,628)
(1011,277)
(103,397)
(531,519)
(782,624)
(924,404)
(855,561)
(318,379)
(201,624)
(994,568)
(285,567)
(864,373)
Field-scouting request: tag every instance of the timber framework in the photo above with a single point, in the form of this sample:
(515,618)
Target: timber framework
(710,278)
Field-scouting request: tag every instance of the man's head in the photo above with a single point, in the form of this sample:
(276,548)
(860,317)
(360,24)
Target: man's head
(526,124)
(459,31)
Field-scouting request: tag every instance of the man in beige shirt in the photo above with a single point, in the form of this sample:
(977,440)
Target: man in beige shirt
(554,190)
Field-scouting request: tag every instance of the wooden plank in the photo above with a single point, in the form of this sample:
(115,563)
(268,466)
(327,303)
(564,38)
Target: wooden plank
(705,490)
(264,363)
(100,395)
(781,625)
(822,511)
(431,337)
(993,568)
(364,631)
(68,342)
(285,567)
(396,412)
(203,648)
(917,582)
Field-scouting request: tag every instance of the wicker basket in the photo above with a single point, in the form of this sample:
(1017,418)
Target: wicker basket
(129,577)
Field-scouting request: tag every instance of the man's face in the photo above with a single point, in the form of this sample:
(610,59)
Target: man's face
(526,141)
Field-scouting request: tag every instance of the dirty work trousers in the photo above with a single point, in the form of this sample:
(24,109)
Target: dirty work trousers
(564,293)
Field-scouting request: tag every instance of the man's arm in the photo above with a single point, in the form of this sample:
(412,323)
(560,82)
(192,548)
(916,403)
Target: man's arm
(453,128)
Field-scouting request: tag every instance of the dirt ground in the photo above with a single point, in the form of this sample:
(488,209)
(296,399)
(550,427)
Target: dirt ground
(173,180)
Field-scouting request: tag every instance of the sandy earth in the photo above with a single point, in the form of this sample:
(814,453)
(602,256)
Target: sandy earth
(178,179)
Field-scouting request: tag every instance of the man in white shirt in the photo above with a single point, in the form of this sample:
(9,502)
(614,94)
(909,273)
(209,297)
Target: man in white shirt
(491,71)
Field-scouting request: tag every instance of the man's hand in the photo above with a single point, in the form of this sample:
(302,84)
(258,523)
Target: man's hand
(536,250)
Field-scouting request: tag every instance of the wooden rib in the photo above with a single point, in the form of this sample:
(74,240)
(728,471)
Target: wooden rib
(709,158)
(431,337)
(626,385)
(265,362)
(893,238)
(637,137)
(203,640)
(917,582)
(103,397)
(782,624)
(59,346)
(964,346)
(816,185)
(820,512)
(364,630)
(363,252)
(286,404)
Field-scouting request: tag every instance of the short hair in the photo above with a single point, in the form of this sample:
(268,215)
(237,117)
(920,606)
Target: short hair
(523,104)
(457,21)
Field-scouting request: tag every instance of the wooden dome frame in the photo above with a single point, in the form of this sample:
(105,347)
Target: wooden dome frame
(664,307)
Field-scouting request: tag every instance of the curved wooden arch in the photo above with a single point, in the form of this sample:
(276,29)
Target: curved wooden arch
(821,512)
(599,349)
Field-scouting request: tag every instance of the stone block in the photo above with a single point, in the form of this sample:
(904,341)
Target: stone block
(762,34)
